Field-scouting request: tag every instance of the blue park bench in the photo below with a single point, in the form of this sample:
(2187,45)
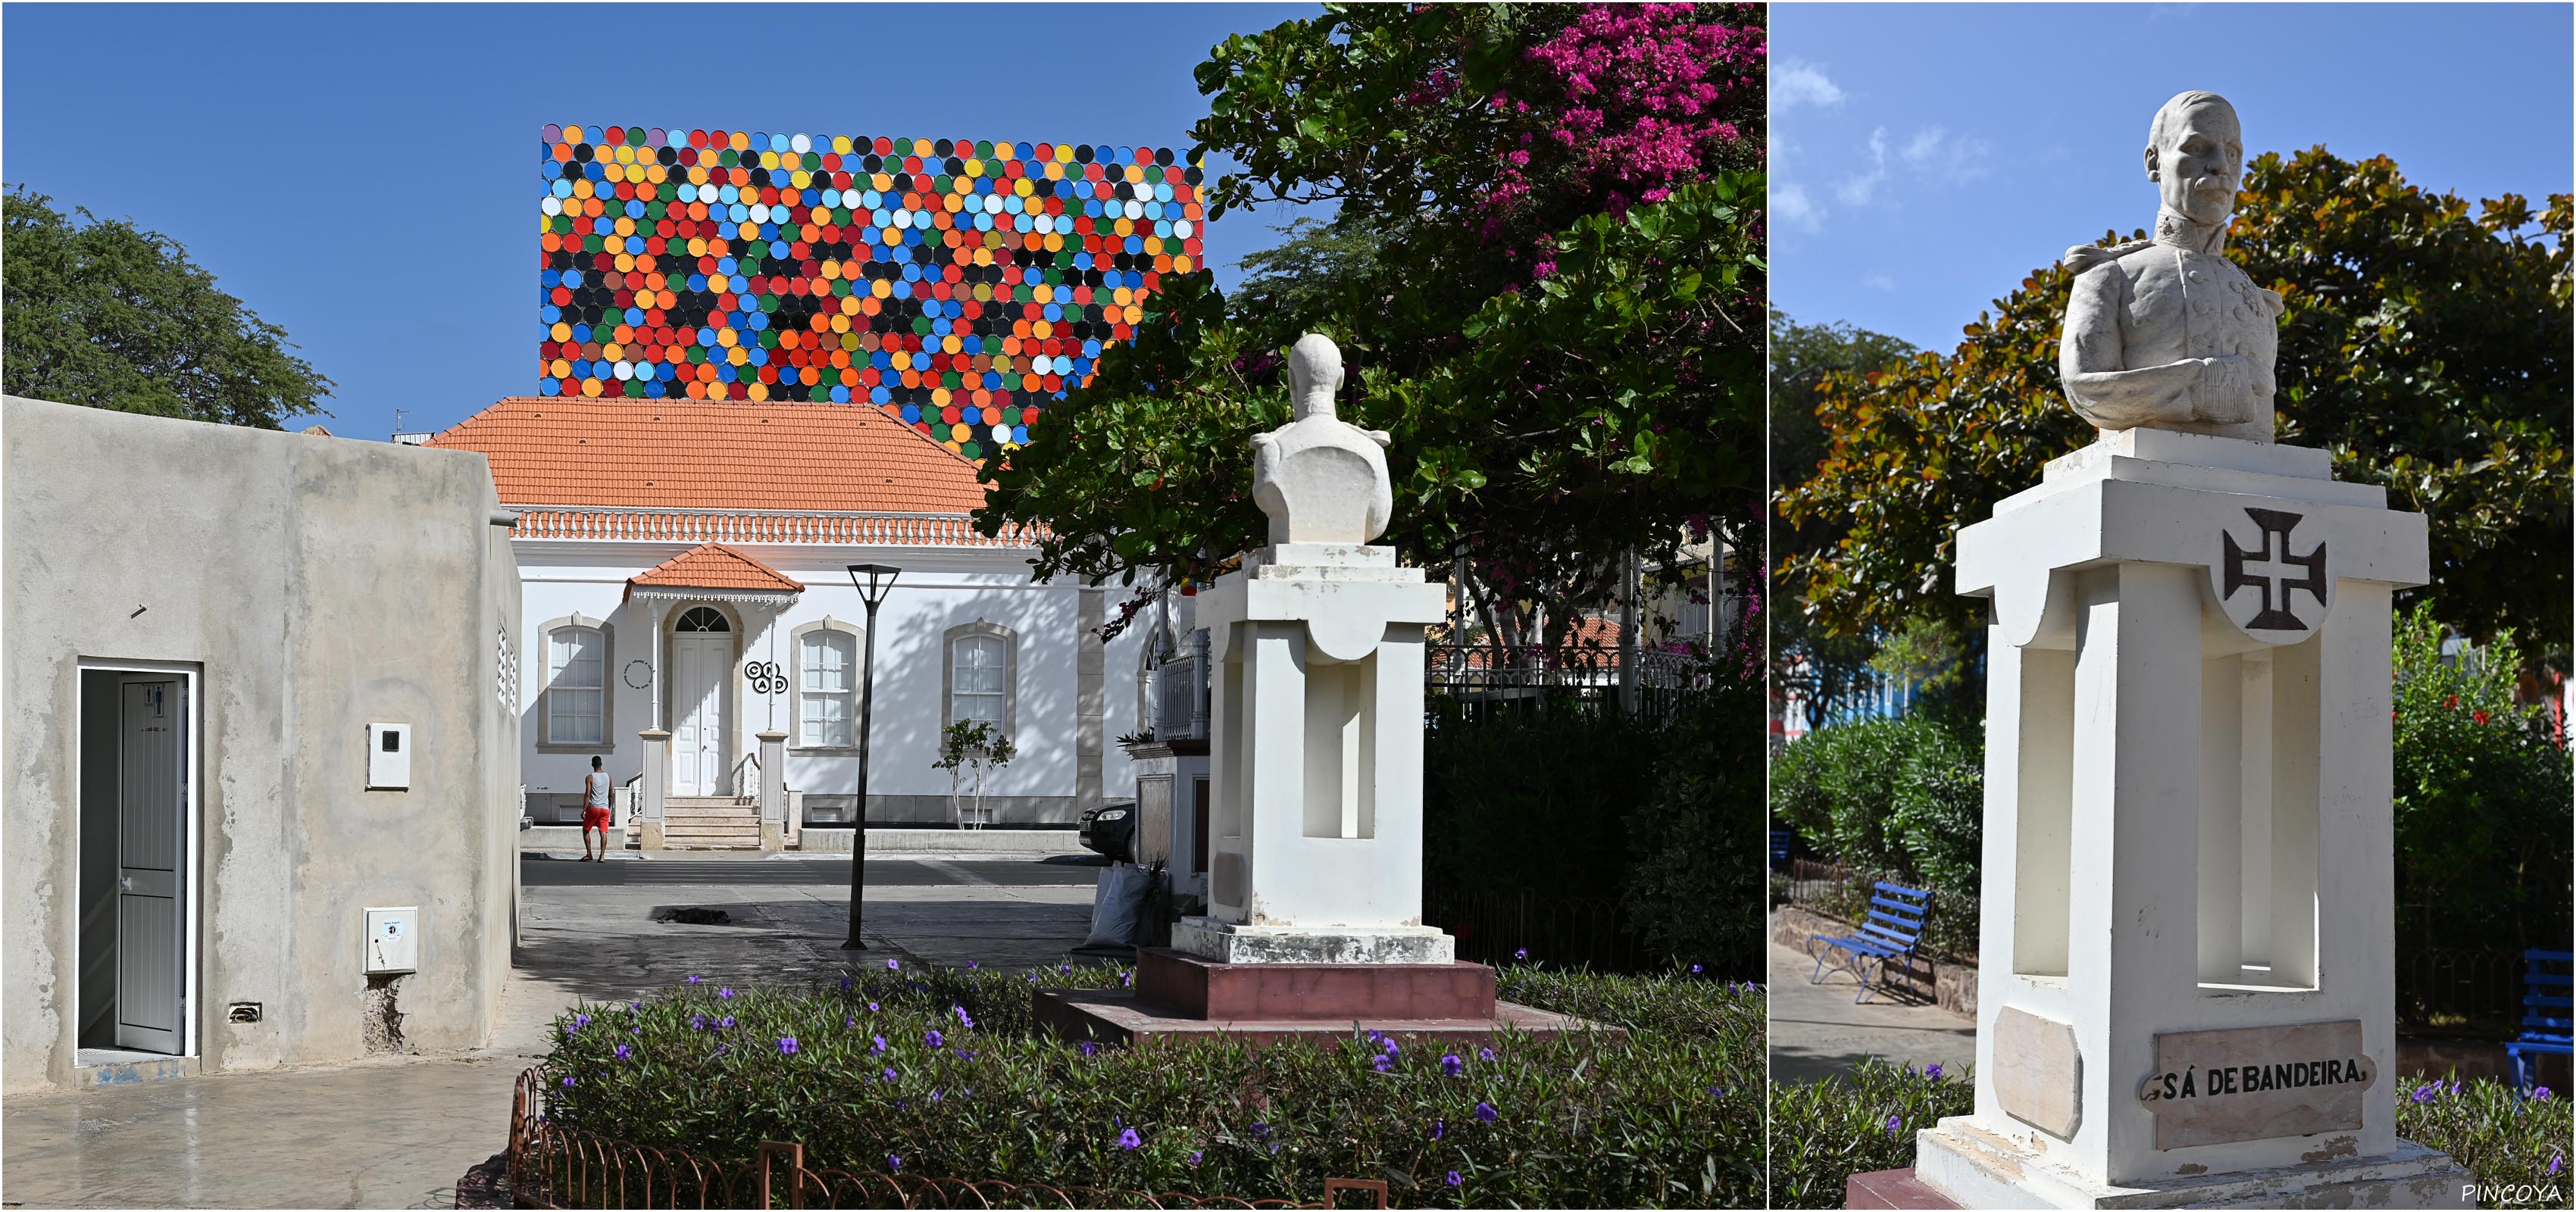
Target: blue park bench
(2544,1015)
(1887,936)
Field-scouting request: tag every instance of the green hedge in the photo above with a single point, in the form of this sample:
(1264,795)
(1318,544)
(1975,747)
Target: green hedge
(1669,1118)
(1904,796)
(1822,1133)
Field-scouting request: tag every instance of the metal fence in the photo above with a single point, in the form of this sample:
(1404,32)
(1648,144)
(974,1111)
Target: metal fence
(555,1167)
(1840,891)
(1496,927)
(2459,991)
(1472,680)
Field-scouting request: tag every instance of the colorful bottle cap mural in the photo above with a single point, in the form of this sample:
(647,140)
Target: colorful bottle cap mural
(961,286)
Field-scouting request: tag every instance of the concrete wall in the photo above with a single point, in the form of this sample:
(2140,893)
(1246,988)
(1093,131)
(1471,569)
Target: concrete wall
(937,591)
(314,585)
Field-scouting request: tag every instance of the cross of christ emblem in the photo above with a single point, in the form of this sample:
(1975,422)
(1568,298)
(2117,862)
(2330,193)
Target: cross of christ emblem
(2266,568)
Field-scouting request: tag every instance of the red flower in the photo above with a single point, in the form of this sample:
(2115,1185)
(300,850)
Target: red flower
(2452,702)
(2482,717)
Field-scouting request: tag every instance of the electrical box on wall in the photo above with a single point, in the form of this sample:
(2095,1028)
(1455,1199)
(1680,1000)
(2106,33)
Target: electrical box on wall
(393,940)
(388,757)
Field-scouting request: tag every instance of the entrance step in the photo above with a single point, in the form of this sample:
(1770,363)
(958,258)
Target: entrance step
(710,822)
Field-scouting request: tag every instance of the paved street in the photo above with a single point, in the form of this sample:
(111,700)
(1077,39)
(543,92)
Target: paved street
(1818,1031)
(398,1132)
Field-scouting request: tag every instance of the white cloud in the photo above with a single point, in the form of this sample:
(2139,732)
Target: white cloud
(1879,282)
(1936,154)
(1856,190)
(1790,205)
(1798,82)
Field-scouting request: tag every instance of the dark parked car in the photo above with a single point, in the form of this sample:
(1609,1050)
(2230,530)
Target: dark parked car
(1110,829)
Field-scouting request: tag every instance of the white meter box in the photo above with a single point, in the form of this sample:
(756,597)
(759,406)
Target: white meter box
(388,757)
(393,940)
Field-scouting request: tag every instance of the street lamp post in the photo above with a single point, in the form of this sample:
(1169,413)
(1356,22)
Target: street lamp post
(872,581)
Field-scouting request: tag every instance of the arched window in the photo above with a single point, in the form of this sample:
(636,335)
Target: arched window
(702,618)
(827,673)
(982,669)
(576,685)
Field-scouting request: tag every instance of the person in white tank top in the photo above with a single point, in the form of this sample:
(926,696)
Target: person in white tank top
(594,811)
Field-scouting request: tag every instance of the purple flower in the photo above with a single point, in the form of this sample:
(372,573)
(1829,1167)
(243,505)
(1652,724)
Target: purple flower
(1383,1062)
(849,1020)
(787,1045)
(726,994)
(1194,1159)
(695,979)
(567,1083)
(845,984)
(965,1054)
(1894,1122)
(2557,1162)
(1932,1070)
(970,963)
(872,1007)
(934,1096)
(2540,1093)
(1454,1180)
(1451,1065)
(1089,1047)
(726,1022)
(1129,1140)
(580,1020)
(894,1162)
(878,1044)
(697,1022)
(1695,970)
(932,1037)
(2425,1093)
(1484,1054)
(893,966)
(962,1020)
(889,1076)
(1714,1092)
(1260,1131)
(624,1052)
(1439,1128)
(1486,1112)
(1520,953)
(1126,979)
(721,1049)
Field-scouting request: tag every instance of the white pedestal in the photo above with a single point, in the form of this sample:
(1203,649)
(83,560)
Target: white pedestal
(2187,836)
(1316,759)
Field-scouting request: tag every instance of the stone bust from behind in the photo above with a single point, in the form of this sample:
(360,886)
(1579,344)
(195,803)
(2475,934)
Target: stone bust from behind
(1319,479)
(2168,333)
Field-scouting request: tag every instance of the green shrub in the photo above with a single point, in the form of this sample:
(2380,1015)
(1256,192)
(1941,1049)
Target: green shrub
(1824,1132)
(1904,796)
(1696,880)
(1669,1117)
(2482,800)
(2505,1141)
(1535,800)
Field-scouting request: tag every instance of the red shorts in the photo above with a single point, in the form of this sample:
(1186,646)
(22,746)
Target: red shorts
(594,818)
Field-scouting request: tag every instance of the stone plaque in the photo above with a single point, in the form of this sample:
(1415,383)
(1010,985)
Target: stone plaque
(2039,1076)
(2257,1083)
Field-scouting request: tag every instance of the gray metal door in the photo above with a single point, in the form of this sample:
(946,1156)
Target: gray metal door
(151,853)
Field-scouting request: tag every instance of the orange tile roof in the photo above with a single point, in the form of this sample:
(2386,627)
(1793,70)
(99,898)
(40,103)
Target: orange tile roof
(715,566)
(713,454)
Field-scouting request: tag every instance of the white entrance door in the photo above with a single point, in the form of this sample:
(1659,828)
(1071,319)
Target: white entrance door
(151,844)
(701,664)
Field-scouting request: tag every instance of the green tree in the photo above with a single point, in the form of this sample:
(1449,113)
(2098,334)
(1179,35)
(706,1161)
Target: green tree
(1554,315)
(101,313)
(1826,671)
(2425,345)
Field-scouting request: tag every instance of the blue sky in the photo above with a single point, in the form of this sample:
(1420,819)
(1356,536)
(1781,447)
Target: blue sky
(254,134)
(1926,157)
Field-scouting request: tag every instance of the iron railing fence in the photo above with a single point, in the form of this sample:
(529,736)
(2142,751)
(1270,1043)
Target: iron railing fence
(1470,681)
(550,1166)
(1565,932)
(2459,991)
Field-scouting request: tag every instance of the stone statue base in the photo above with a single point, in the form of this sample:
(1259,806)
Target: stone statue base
(1979,1169)
(1230,943)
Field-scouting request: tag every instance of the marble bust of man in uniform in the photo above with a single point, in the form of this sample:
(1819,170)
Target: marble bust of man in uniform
(2167,333)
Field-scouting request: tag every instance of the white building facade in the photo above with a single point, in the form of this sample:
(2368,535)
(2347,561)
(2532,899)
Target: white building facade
(688,602)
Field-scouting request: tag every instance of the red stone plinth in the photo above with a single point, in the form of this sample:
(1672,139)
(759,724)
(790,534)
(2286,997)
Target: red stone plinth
(1891,1189)
(1183,985)
(1121,1017)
